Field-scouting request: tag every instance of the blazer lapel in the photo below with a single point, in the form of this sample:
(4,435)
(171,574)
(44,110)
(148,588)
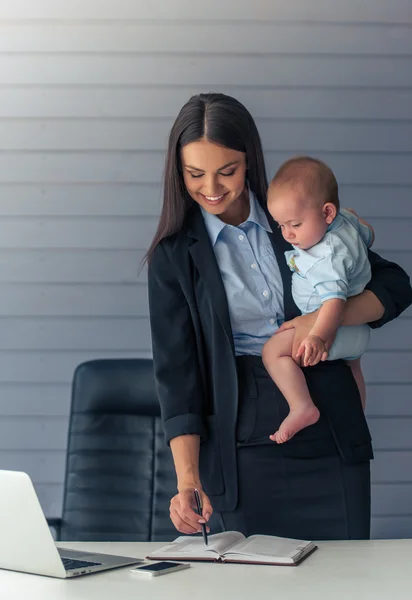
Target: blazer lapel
(280,245)
(205,260)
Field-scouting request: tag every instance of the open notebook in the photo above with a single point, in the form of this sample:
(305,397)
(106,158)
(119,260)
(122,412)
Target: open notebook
(234,547)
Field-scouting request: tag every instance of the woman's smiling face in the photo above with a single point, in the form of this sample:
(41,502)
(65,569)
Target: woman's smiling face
(215,178)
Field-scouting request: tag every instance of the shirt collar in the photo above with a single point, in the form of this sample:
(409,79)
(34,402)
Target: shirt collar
(214,225)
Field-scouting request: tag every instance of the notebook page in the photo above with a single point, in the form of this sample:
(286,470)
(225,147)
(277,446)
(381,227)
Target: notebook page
(195,546)
(268,546)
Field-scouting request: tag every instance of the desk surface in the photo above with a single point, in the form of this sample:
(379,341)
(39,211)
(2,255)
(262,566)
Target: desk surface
(378,570)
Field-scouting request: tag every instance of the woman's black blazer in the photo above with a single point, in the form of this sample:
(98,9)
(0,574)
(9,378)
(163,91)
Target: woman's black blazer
(194,358)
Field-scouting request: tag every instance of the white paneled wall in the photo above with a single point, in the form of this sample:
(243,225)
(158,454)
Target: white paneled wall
(88,92)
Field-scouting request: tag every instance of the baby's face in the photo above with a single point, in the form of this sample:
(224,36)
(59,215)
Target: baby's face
(303,222)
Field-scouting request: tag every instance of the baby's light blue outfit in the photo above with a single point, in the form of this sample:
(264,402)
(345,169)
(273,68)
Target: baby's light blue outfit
(336,267)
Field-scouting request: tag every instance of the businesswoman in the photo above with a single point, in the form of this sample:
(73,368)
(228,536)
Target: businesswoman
(219,287)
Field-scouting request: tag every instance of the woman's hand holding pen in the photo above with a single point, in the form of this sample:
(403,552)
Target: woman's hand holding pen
(183,510)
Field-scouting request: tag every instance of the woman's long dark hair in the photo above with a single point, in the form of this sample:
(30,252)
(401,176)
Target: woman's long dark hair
(222,120)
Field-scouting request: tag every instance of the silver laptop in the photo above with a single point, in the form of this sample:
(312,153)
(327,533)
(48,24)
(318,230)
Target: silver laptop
(26,544)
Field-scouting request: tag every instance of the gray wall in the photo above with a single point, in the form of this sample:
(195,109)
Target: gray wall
(88,92)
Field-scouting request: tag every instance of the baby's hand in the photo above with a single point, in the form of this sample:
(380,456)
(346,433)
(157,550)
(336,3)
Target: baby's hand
(312,349)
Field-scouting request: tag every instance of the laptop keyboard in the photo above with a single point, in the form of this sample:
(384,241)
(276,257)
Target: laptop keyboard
(71,563)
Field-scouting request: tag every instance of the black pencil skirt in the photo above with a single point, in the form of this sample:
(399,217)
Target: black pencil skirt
(301,489)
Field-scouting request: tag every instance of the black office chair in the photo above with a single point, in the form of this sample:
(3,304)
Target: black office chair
(119,471)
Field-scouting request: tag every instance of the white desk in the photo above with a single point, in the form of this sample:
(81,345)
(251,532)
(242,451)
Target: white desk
(375,570)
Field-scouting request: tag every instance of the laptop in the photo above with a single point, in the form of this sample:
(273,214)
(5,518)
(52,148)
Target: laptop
(26,543)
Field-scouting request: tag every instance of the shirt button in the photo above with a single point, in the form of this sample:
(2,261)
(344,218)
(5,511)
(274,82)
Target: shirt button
(272,321)
(254,266)
(241,237)
(265,293)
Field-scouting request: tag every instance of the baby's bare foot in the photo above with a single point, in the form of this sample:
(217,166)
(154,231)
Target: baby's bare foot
(296,420)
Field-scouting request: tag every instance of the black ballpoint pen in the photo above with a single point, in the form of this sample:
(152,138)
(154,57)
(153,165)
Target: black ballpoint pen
(199,510)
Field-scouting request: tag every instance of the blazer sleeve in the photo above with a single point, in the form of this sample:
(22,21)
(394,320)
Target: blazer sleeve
(176,366)
(391,285)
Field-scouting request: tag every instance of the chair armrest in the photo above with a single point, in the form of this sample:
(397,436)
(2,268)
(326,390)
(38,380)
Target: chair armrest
(55,523)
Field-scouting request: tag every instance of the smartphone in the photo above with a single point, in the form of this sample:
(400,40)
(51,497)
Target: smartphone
(159,568)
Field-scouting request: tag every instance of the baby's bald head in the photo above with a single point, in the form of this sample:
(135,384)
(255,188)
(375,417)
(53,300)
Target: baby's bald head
(314,179)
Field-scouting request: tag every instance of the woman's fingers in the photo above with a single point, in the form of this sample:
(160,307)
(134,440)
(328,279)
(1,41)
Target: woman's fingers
(287,325)
(183,515)
(182,525)
(207,509)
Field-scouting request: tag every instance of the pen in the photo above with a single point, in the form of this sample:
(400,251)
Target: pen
(199,510)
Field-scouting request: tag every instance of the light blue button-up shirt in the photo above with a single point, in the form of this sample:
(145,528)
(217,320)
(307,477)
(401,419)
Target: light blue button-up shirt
(251,277)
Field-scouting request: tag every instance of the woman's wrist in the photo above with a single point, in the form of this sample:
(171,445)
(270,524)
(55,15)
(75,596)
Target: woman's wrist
(185,450)
(189,484)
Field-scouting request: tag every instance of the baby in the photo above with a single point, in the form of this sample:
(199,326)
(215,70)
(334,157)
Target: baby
(330,263)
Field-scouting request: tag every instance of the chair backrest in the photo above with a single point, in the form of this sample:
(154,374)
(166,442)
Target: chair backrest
(119,471)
